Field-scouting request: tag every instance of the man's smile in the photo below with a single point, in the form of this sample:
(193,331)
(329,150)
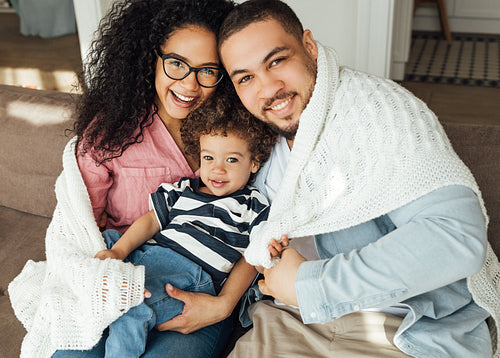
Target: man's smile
(281,105)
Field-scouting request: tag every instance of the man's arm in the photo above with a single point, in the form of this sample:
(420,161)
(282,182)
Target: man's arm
(440,239)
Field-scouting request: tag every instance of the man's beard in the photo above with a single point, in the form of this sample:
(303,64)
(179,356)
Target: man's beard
(289,132)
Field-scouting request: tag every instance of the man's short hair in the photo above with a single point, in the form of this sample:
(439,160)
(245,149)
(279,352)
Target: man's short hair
(252,11)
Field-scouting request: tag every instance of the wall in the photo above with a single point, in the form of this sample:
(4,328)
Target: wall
(470,16)
(333,23)
(359,30)
(88,14)
(401,38)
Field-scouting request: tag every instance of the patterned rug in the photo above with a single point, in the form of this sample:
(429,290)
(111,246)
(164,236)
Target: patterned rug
(470,60)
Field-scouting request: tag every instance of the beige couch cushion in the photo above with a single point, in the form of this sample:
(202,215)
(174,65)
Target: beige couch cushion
(32,121)
(479,147)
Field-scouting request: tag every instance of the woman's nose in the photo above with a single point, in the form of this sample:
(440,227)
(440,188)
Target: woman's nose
(190,82)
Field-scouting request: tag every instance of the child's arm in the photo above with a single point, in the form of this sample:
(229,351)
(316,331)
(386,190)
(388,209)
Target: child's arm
(238,281)
(137,234)
(243,273)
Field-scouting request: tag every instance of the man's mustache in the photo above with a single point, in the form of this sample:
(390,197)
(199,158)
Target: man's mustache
(279,96)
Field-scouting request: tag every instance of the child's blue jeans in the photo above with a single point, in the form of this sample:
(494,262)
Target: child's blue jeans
(128,334)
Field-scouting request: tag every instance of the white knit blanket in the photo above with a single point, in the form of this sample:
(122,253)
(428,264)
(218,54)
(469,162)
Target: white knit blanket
(67,301)
(365,146)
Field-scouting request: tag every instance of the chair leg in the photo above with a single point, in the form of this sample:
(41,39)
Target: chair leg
(444,20)
(443,16)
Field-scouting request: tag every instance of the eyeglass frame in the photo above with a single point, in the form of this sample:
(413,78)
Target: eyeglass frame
(191,69)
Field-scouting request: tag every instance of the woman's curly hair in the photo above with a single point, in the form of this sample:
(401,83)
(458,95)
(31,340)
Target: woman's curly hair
(118,79)
(224,113)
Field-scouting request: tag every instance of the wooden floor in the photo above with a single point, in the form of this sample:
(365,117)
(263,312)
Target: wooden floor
(52,63)
(32,61)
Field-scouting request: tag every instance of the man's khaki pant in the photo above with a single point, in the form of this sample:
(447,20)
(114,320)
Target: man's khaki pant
(278,331)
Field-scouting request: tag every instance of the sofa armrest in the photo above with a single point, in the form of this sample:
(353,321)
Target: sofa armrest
(478,145)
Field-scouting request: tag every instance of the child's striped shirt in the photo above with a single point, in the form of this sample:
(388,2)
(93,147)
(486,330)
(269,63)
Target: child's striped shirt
(210,230)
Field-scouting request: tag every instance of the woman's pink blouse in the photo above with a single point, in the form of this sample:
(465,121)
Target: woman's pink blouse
(121,187)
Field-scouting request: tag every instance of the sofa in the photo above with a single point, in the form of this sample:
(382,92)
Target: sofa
(34,126)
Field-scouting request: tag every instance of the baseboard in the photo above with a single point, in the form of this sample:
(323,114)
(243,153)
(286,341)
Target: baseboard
(473,26)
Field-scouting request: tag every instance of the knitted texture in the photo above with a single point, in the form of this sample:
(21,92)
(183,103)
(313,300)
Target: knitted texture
(485,289)
(365,146)
(67,301)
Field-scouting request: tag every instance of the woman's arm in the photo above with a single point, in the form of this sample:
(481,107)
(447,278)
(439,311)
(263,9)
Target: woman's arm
(201,310)
(98,181)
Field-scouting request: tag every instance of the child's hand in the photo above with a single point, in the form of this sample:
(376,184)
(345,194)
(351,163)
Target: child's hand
(276,247)
(104,254)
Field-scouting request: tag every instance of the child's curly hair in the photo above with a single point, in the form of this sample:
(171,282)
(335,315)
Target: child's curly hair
(224,113)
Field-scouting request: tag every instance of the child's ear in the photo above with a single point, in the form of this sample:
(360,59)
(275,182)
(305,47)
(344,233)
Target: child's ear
(255,166)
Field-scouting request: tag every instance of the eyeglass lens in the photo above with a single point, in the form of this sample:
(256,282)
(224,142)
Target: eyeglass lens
(178,69)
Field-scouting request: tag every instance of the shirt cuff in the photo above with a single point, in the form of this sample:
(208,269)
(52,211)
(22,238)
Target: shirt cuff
(317,305)
(310,293)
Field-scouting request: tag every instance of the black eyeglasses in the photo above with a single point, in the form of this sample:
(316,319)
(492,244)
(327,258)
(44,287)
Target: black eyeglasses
(177,69)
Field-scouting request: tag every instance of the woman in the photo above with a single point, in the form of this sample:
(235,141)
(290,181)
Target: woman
(152,64)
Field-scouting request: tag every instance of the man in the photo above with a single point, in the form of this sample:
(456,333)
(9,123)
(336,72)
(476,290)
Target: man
(398,222)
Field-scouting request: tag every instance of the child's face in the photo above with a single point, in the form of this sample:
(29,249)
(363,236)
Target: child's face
(226,163)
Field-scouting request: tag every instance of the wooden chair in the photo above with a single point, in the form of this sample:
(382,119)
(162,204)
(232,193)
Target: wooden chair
(443,16)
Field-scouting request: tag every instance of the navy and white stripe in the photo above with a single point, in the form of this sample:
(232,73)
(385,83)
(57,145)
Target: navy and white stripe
(210,230)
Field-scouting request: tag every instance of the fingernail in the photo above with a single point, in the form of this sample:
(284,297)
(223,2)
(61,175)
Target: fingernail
(147,294)
(170,287)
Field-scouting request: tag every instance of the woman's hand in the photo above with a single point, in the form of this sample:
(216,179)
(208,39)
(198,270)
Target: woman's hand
(104,220)
(200,310)
(105,254)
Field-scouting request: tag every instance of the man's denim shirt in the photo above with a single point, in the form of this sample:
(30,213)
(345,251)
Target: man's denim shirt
(418,256)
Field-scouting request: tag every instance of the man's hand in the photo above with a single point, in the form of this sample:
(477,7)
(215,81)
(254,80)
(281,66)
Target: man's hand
(279,281)
(200,310)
